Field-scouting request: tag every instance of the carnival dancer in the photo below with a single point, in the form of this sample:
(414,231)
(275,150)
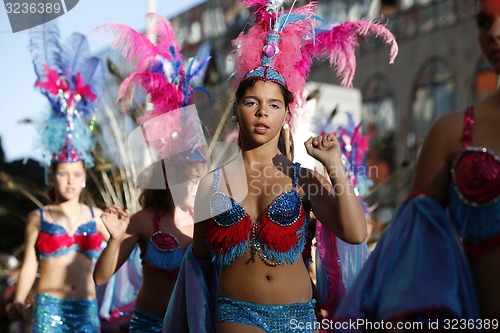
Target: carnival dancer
(64,237)
(254,211)
(163,228)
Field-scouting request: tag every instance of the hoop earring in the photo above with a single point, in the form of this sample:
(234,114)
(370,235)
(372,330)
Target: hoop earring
(234,119)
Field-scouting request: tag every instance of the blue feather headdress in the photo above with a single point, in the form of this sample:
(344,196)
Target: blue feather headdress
(72,81)
(353,148)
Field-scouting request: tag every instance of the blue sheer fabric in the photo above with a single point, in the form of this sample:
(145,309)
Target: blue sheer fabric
(117,297)
(193,301)
(418,270)
(337,265)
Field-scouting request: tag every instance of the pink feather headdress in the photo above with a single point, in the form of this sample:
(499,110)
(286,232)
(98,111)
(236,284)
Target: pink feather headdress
(159,69)
(282,44)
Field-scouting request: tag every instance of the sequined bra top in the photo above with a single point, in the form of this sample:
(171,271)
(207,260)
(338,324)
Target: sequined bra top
(278,235)
(54,240)
(163,251)
(474,194)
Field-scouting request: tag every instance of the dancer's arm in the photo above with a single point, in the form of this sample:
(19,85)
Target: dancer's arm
(100,225)
(334,202)
(120,244)
(29,268)
(432,174)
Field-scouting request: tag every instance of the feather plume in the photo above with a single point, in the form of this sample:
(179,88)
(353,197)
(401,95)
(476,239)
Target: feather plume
(340,42)
(158,69)
(274,6)
(164,95)
(93,73)
(198,65)
(77,59)
(353,147)
(135,47)
(53,141)
(257,3)
(166,36)
(196,68)
(45,48)
(76,52)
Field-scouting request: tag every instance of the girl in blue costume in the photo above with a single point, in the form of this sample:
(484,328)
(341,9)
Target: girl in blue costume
(163,233)
(254,211)
(65,237)
(163,228)
(419,270)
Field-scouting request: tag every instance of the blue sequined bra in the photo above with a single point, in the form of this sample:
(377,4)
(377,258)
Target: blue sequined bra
(54,240)
(163,250)
(278,235)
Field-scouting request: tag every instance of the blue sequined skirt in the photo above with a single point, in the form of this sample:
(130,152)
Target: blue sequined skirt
(143,322)
(290,318)
(65,315)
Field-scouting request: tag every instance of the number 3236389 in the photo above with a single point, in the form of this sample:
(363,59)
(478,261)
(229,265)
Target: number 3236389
(470,324)
(33,8)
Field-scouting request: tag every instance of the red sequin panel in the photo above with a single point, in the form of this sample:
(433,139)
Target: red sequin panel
(89,242)
(47,243)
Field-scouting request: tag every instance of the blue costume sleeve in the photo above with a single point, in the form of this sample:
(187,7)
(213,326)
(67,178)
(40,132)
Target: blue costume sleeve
(193,301)
(417,271)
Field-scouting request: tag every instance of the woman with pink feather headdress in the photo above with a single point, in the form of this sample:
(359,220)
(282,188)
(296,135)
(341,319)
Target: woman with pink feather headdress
(247,262)
(171,132)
